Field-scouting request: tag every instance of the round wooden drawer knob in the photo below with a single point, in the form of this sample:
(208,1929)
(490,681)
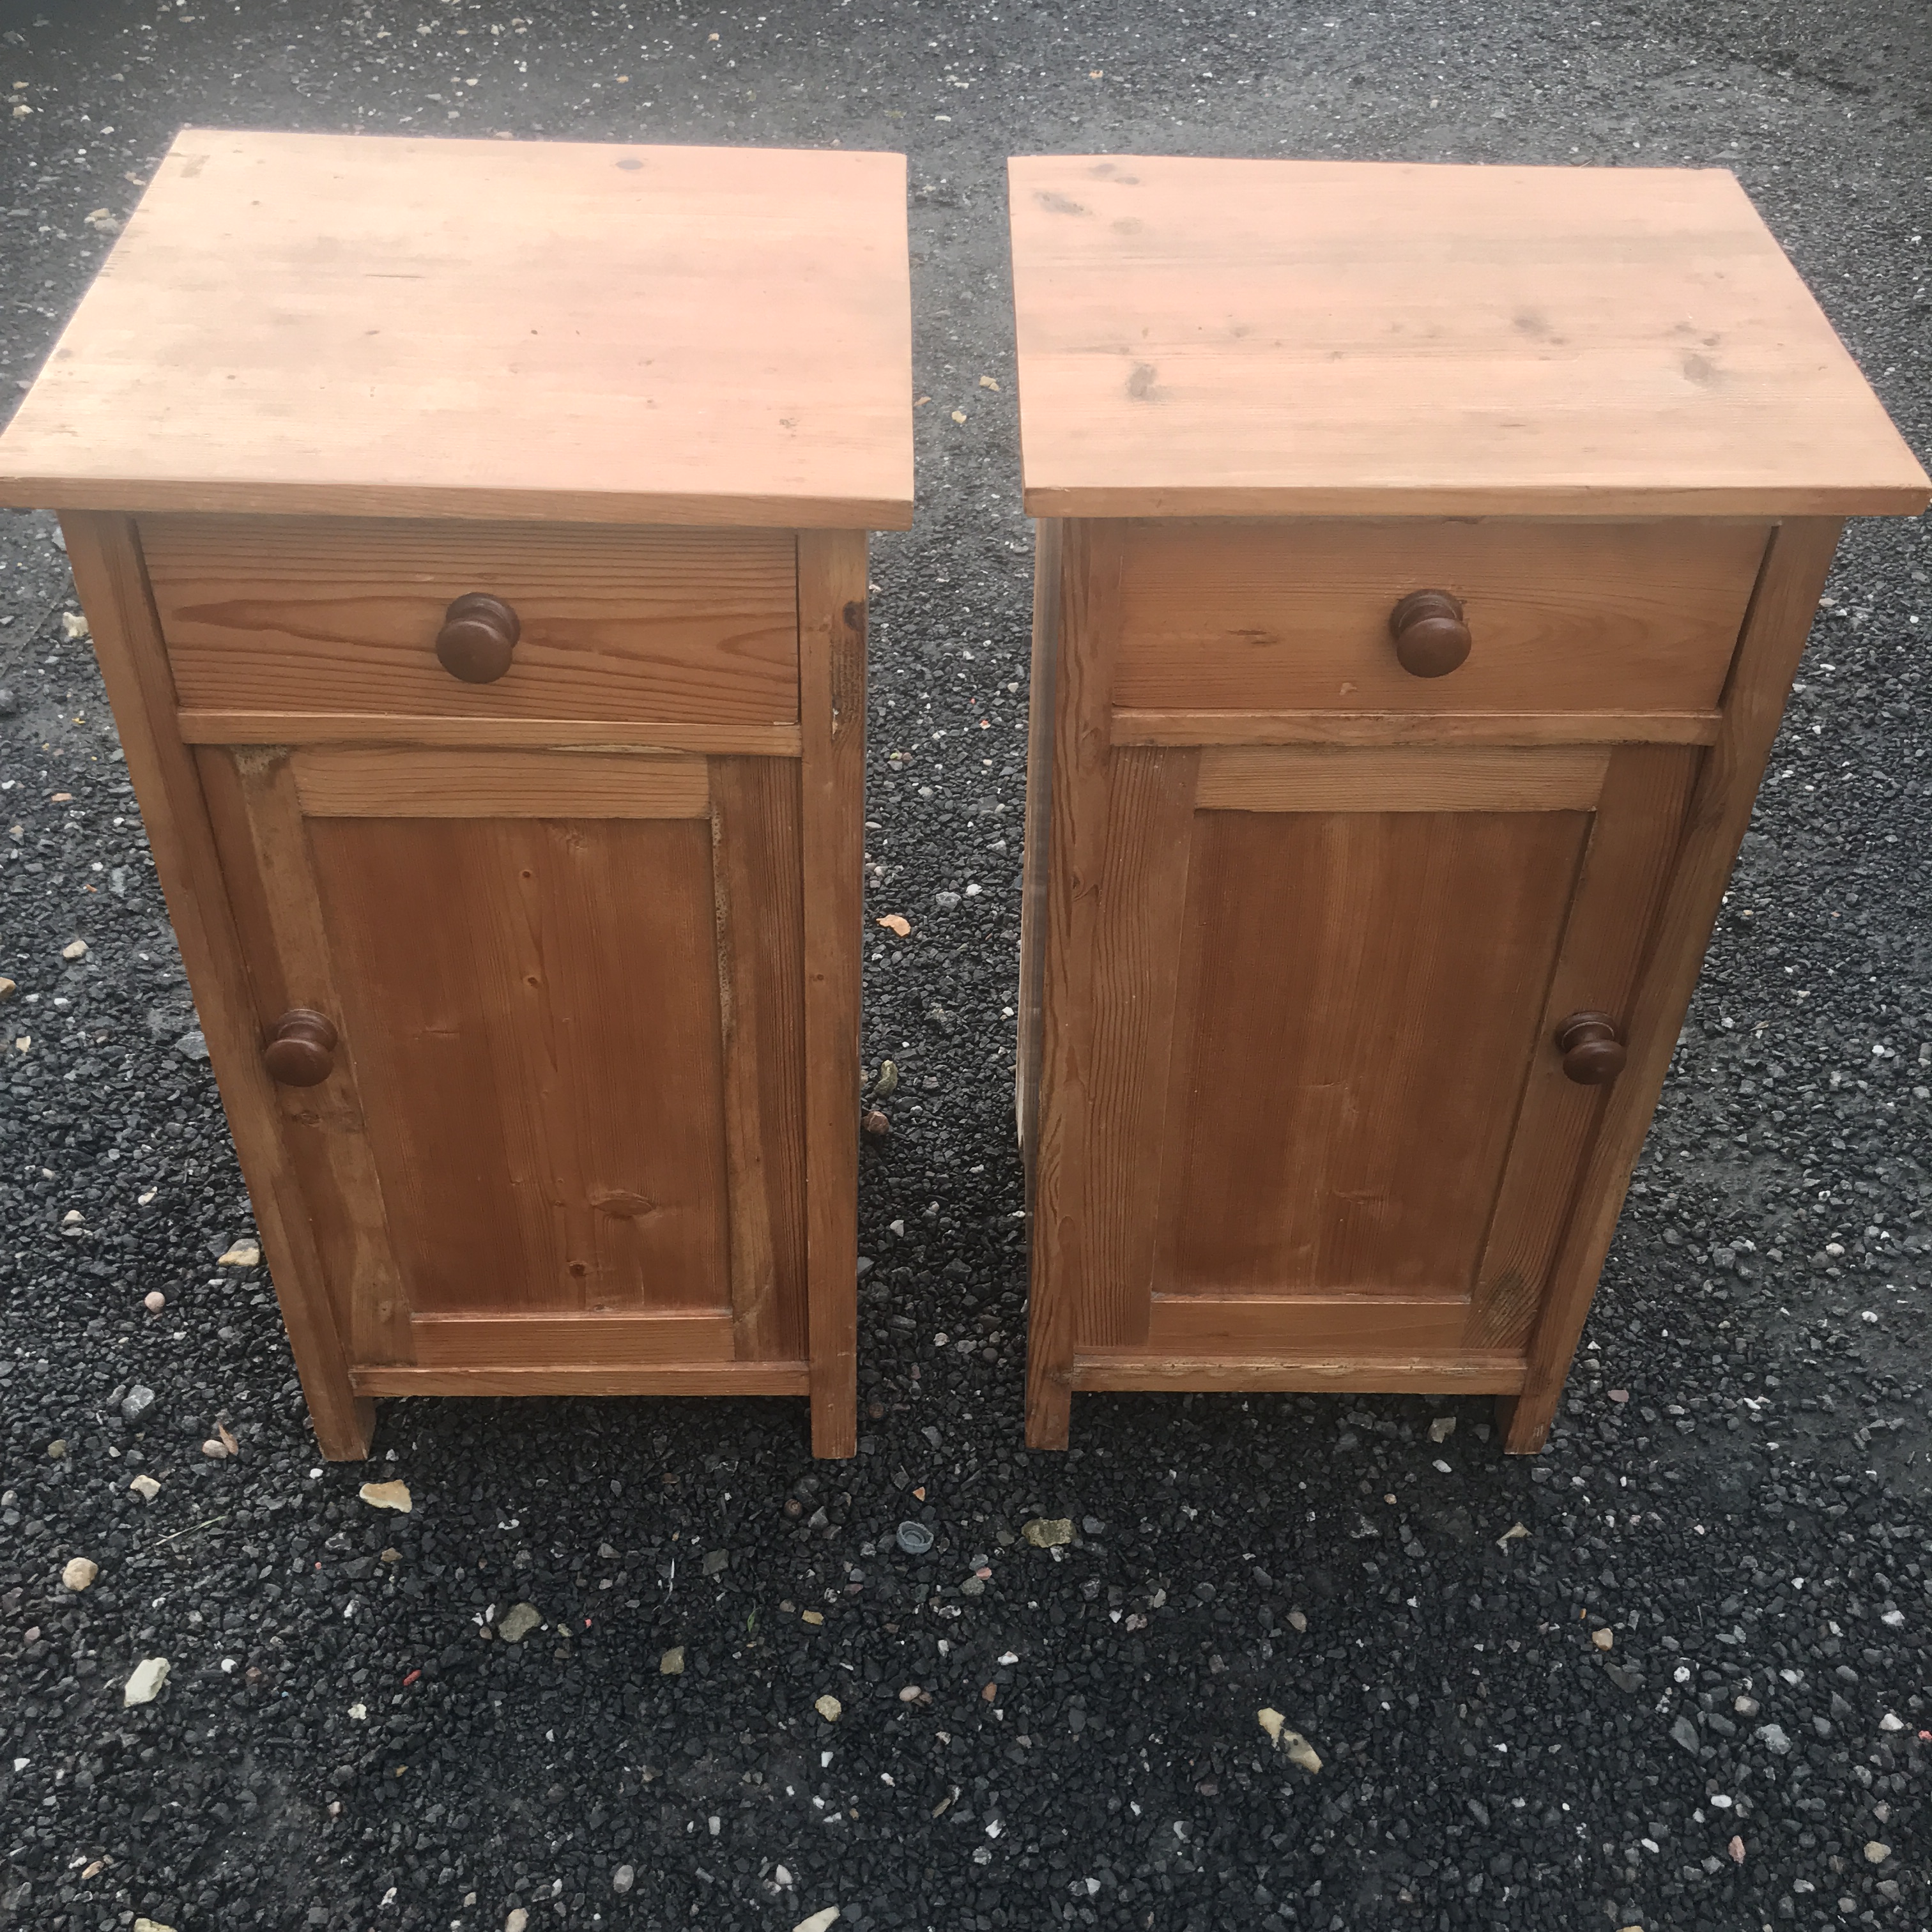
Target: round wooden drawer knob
(1592,1047)
(1431,639)
(478,633)
(300,1051)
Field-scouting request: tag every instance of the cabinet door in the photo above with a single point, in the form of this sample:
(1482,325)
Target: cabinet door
(561,1142)
(1323,1120)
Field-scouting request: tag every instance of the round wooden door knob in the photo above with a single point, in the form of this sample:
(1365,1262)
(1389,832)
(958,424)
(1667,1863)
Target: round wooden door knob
(478,633)
(1592,1047)
(1431,639)
(301,1051)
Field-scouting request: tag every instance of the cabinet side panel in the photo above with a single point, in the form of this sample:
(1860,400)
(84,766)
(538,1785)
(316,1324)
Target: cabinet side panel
(1076,835)
(1366,986)
(109,574)
(831,722)
(531,1006)
(1774,633)
(1033,868)
(1626,867)
(760,907)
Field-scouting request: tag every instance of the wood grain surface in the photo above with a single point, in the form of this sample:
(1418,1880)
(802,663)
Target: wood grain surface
(531,1006)
(1294,615)
(1403,777)
(1272,338)
(340,615)
(391,782)
(1363,990)
(342,325)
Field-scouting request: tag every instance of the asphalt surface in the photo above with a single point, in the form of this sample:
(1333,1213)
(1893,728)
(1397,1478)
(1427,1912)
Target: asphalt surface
(1737,1491)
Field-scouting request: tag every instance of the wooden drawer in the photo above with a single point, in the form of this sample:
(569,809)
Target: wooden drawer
(276,618)
(1632,618)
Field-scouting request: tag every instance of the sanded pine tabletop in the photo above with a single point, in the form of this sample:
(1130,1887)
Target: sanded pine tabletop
(1268,338)
(620,333)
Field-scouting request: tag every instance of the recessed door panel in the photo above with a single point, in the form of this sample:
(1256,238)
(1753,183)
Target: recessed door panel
(1362,992)
(531,1006)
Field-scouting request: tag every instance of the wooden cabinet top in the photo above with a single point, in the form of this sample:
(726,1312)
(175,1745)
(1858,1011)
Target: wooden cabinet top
(345,325)
(1269,338)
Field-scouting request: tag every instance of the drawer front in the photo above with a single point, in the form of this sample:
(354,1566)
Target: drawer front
(1627,618)
(341,616)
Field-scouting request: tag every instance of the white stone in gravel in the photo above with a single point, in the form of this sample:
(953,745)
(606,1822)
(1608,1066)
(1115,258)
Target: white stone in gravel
(387,1495)
(623,1878)
(80,1571)
(243,1254)
(518,1621)
(1876,1854)
(75,950)
(154,1301)
(144,1681)
(1299,1750)
(1442,1429)
(7,989)
(1298,1620)
(819,1920)
(1892,1721)
(517,1920)
(215,1448)
(145,1487)
(828,1707)
(151,1925)
(1773,1739)
(670,1663)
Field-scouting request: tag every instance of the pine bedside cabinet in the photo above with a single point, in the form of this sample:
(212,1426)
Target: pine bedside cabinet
(1424,557)
(473,537)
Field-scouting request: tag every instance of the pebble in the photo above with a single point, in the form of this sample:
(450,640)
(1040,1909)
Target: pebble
(242,1255)
(8,987)
(145,1487)
(154,1301)
(144,1681)
(1442,1429)
(1876,1854)
(1603,1639)
(819,1921)
(137,1406)
(518,1921)
(1736,1849)
(828,1707)
(1298,1620)
(518,1621)
(1773,1739)
(623,1878)
(388,1495)
(151,1925)
(57,1450)
(1047,1532)
(670,1663)
(75,950)
(80,1572)
(1299,1750)
(215,1448)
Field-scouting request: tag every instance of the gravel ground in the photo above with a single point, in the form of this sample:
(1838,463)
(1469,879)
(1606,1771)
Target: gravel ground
(1695,1691)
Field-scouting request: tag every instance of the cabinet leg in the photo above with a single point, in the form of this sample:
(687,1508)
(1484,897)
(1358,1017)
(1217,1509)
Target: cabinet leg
(1049,1408)
(1523,1420)
(344,1424)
